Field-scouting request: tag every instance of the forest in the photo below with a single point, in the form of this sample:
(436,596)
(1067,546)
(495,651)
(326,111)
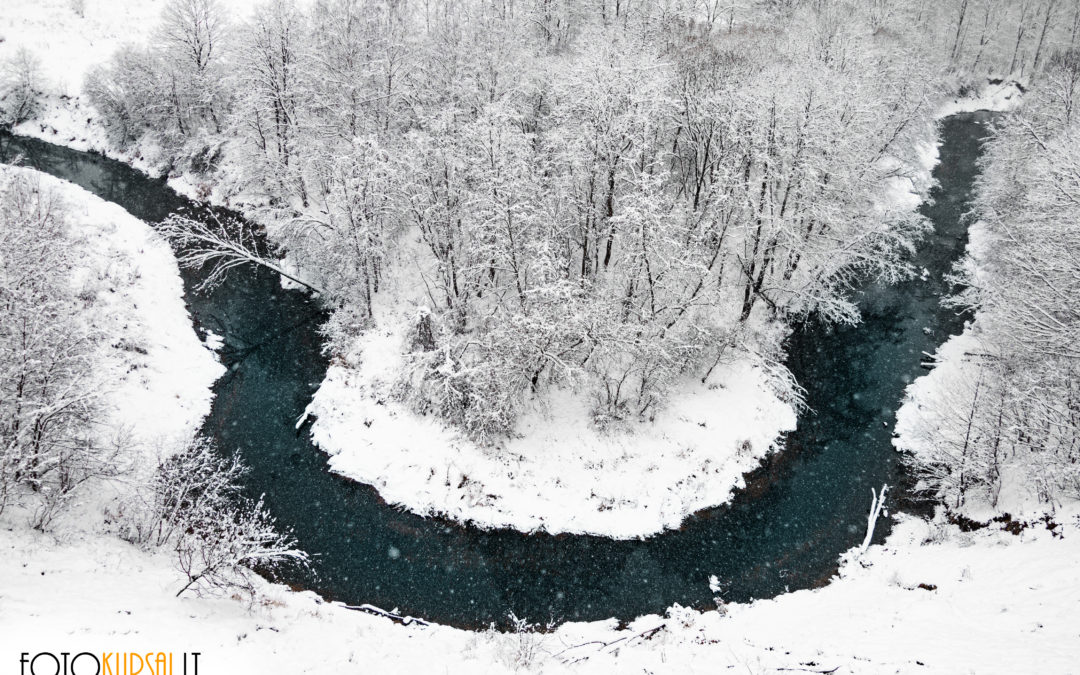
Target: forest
(611,197)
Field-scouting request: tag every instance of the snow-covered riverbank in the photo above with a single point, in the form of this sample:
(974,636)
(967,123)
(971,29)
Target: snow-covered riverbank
(158,372)
(558,473)
(932,600)
(937,422)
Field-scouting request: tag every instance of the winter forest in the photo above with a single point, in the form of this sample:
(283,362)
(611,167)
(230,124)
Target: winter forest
(571,265)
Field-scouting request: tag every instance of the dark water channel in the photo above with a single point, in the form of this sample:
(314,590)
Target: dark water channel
(785,532)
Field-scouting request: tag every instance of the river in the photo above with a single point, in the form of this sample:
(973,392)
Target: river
(785,532)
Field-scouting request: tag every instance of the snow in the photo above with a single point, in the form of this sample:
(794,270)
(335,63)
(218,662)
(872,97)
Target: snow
(558,473)
(159,370)
(69,45)
(932,599)
(992,602)
(1001,97)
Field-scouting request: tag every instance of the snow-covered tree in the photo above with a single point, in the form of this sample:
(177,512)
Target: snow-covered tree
(21,85)
(50,435)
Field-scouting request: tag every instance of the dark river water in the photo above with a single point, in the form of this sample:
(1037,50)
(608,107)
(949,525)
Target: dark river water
(784,532)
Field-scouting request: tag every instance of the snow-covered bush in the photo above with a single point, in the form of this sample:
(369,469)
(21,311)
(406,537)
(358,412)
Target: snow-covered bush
(20,88)
(127,93)
(224,550)
(193,504)
(523,646)
(482,397)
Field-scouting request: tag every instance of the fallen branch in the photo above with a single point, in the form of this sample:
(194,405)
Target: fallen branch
(877,503)
(602,645)
(224,245)
(396,618)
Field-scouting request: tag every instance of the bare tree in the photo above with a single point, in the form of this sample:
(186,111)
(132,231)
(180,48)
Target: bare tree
(20,87)
(193,30)
(223,550)
(1048,17)
(194,505)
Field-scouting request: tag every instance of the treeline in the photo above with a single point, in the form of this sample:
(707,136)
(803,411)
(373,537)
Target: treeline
(1010,420)
(609,195)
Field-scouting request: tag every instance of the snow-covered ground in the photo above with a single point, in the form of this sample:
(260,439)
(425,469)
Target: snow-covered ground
(981,602)
(69,45)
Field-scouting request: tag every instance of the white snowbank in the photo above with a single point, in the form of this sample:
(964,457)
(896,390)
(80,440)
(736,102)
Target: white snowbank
(1001,97)
(984,602)
(559,473)
(158,371)
(931,411)
(928,401)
